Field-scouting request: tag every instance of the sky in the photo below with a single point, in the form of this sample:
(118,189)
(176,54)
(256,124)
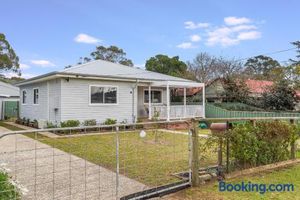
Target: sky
(49,35)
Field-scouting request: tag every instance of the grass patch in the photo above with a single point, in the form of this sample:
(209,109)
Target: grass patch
(10,127)
(7,190)
(283,176)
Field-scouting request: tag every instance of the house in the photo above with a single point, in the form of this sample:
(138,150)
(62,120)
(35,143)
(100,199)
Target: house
(100,90)
(9,97)
(215,89)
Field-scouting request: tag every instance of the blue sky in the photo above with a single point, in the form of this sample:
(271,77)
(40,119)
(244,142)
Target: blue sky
(48,35)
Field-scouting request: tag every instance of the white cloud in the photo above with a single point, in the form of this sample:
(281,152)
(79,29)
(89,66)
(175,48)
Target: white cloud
(24,75)
(231,21)
(42,63)
(193,25)
(84,38)
(251,35)
(195,38)
(186,45)
(24,66)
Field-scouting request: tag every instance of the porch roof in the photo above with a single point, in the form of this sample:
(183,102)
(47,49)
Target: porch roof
(181,84)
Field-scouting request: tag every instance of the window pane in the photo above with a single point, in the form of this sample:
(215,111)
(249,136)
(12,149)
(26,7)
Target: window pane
(156,96)
(35,96)
(97,94)
(24,97)
(146,96)
(110,95)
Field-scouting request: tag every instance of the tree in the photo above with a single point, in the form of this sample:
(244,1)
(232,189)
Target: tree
(206,67)
(112,54)
(9,61)
(281,96)
(296,62)
(236,90)
(261,67)
(166,65)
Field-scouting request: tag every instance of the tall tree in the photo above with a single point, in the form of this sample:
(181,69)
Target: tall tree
(166,65)
(112,54)
(261,67)
(296,61)
(236,90)
(9,61)
(206,67)
(281,96)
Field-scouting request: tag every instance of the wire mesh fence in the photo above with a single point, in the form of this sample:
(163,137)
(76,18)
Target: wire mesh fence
(96,162)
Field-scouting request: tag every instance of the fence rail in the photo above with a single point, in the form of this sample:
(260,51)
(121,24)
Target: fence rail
(212,111)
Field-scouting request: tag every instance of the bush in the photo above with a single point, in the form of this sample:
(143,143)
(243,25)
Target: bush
(70,123)
(90,122)
(110,121)
(265,143)
(50,125)
(7,190)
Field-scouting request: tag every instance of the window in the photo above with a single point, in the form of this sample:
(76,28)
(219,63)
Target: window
(24,97)
(156,96)
(103,95)
(35,96)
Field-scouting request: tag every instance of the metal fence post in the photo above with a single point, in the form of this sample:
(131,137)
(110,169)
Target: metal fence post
(195,153)
(293,143)
(117,162)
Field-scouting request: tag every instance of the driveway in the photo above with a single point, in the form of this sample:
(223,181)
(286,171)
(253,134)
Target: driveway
(44,172)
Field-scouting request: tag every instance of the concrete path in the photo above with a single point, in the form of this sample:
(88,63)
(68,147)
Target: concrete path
(46,173)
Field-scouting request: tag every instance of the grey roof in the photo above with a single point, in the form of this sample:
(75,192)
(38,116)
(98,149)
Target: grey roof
(105,68)
(8,90)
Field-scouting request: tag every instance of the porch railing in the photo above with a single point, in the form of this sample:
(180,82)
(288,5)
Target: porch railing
(177,111)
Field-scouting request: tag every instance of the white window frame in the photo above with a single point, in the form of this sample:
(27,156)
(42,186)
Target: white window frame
(23,97)
(103,104)
(34,96)
(161,95)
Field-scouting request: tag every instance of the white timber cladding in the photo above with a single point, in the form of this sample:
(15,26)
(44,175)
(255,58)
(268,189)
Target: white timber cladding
(75,101)
(54,107)
(34,111)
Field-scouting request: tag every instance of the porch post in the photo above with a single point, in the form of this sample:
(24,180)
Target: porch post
(149,102)
(184,101)
(168,102)
(203,99)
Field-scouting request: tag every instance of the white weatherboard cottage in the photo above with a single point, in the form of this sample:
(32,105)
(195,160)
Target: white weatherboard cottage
(100,90)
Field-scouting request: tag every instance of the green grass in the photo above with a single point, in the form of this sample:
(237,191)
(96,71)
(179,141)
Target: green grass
(151,160)
(287,175)
(7,190)
(10,127)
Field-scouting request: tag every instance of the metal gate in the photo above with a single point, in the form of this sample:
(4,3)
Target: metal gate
(10,109)
(125,161)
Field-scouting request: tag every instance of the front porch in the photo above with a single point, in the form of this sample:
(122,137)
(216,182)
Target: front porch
(168,100)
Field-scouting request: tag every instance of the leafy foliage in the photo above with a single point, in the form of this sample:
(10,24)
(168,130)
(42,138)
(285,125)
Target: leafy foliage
(110,121)
(9,61)
(7,190)
(296,62)
(90,122)
(112,54)
(265,143)
(235,90)
(281,96)
(166,65)
(70,123)
(261,67)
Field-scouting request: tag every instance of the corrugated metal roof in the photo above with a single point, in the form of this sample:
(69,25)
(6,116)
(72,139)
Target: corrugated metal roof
(105,68)
(8,90)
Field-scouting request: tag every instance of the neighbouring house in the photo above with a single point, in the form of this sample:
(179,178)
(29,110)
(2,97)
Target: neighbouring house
(215,89)
(101,90)
(9,97)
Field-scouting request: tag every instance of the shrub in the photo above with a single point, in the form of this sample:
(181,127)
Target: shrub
(265,143)
(110,121)
(50,125)
(90,122)
(7,190)
(70,123)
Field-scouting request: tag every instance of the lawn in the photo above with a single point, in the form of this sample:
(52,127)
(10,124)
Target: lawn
(151,159)
(7,190)
(211,191)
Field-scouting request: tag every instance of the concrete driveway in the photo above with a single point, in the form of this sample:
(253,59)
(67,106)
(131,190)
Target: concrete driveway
(44,172)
